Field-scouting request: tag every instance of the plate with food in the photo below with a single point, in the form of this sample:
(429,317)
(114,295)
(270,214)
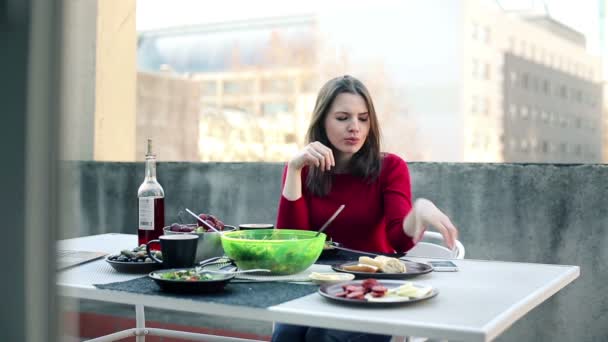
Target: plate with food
(188,280)
(373,292)
(134,260)
(383,267)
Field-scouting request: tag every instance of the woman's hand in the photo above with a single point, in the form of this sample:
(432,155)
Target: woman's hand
(425,214)
(314,154)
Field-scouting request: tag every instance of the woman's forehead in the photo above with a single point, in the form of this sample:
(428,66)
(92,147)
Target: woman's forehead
(349,103)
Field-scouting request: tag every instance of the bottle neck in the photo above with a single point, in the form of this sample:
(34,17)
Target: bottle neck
(150,168)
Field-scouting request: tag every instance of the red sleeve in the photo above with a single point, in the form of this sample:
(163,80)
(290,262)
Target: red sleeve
(292,214)
(397,193)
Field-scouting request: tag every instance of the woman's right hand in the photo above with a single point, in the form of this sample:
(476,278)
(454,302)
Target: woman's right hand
(314,154)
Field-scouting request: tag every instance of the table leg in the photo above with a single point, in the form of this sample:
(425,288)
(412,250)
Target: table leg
(140,323)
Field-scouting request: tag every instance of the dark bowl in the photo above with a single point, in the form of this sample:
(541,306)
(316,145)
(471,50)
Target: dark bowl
(133,267)
(209,243)
(198,286)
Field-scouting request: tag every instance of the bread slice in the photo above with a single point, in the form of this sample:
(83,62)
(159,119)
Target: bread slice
(361,268)
(369,261)
(390,265)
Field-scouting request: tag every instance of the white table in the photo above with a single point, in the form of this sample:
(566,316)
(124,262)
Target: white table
(477,303)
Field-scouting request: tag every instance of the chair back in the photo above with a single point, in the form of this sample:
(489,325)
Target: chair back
(428,249)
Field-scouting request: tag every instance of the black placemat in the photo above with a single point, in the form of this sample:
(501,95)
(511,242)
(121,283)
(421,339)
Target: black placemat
(257,295)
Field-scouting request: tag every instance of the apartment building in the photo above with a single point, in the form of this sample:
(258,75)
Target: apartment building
(531,91)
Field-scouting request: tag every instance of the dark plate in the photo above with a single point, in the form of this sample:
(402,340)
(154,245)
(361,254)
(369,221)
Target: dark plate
(133,267)
(199,286)
(329,291)
(413,269)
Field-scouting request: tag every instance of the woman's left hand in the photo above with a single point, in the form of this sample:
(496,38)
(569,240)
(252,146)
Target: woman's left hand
(425,214)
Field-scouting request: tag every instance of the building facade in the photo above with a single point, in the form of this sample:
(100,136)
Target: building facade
(531,91)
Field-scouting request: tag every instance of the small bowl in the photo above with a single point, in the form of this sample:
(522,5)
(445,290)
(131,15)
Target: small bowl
(209,243)
(330,277)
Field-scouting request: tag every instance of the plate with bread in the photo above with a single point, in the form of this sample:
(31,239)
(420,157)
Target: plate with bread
(383,267)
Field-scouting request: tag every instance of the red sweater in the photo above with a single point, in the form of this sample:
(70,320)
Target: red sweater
(373,217)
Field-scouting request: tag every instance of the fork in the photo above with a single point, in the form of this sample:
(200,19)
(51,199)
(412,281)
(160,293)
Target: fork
(253,270)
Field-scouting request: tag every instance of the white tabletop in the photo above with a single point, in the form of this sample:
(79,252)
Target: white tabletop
(477,303)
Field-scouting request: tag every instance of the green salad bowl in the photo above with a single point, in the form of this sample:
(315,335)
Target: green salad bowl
(282,251)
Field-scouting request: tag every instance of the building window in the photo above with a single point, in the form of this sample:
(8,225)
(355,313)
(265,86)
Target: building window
(513,110)
(546,87)
(486,35)
(278,85)
(475,31)
(237,87)
(486,71)
(513,77)
(209,88)
(525,80)
(544,147)
(475,68)
(474,105)
(275,108)
(563,93)
(533,113)
(544,116)
(524,112)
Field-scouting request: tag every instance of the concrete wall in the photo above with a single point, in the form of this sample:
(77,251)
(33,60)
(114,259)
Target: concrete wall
(512,212)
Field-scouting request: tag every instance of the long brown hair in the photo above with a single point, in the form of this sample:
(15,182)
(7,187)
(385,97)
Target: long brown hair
(366,162)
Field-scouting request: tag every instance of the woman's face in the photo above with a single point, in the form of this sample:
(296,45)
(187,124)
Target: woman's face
(347,124)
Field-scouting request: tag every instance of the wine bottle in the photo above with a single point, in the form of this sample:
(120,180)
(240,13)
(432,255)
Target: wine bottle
(151,202)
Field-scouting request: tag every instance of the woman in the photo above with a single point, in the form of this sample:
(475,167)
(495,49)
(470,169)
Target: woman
(342,164)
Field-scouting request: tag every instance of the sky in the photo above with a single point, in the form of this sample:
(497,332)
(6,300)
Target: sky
(582,15)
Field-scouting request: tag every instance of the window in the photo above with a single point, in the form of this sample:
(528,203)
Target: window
(563,92)
(485,35)
(474,105)
(209,88)
(275,108)
(544,146)
(513,77)
(237,87)
(525,79)
(513,110)
(486,72)
(278,85)
(546,87)
(475,31)
(475,68)
(524,112)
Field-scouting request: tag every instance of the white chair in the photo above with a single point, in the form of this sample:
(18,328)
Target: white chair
(426,248)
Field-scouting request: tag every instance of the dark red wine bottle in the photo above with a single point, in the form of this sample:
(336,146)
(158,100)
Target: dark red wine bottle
(151,206)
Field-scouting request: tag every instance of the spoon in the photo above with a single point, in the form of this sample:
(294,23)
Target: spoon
(203,221)
(330,219)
